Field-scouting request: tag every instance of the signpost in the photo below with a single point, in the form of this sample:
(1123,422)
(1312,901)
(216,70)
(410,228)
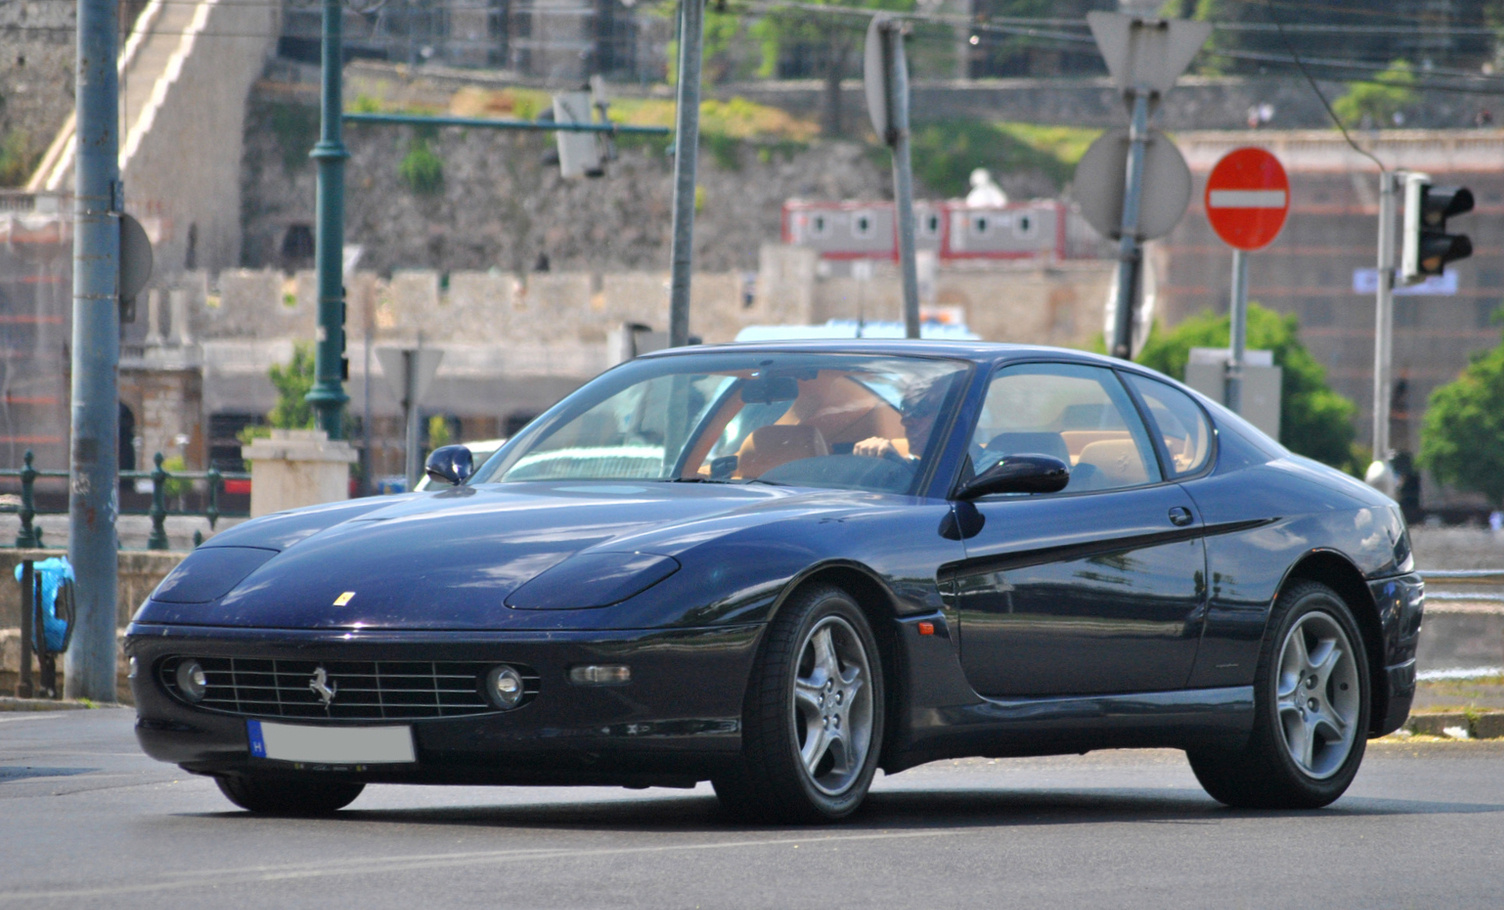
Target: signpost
(1144,56)
(1247,198)
(408,372)
(885,75)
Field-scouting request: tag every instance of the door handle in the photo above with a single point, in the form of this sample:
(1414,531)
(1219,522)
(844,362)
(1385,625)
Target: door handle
(1180,516)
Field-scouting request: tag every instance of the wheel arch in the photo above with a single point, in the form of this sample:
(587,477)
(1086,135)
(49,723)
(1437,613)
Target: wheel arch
(1338,573)
(880,607)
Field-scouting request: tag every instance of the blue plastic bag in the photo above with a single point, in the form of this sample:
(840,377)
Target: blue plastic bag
(54,631)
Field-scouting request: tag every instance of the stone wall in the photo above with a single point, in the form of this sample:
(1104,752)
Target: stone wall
(140,573)
(500,208)
(179,164)
(36,73)
(1197,102)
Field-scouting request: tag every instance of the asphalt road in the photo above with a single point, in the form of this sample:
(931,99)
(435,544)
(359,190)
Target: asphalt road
(87,821)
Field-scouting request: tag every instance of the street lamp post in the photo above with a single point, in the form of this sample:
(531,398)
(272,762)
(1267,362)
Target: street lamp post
(328,393)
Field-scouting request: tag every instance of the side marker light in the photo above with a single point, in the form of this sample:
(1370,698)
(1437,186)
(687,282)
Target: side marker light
(601,675)
(926,628)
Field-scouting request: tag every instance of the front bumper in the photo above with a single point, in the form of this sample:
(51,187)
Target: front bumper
(1401,602)
(676,722)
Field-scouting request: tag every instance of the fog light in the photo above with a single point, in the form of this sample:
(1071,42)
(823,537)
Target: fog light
(134,668)
(191,680)
(504,687)
(601,675)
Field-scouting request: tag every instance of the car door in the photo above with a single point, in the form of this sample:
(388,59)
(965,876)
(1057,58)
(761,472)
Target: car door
(1098,588)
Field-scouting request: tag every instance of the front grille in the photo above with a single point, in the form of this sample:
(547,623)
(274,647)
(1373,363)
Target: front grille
(363,689)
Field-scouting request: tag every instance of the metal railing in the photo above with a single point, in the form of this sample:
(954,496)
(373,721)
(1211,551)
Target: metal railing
(31,536)
(1464,578)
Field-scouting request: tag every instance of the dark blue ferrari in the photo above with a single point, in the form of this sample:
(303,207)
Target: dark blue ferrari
(781,567)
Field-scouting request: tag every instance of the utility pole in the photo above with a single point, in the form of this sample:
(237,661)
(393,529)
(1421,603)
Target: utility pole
(885,71)
(1237,332)
(330,370)
(686,150)
(95,424)
(1379,474)
(1130,256)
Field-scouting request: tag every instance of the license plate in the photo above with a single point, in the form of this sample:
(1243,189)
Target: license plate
(331,745)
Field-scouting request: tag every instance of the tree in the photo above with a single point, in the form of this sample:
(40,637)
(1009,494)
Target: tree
(1462,436)
(1377,103)
(293,382)
(797,42)
(1314,420)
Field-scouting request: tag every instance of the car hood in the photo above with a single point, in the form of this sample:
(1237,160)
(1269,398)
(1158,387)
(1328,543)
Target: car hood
(452,560)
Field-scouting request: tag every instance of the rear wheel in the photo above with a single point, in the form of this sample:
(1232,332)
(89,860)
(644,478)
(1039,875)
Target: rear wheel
(1311,710)
(812,725)
(287,796)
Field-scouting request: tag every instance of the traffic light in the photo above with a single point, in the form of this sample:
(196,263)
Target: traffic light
(1426,246)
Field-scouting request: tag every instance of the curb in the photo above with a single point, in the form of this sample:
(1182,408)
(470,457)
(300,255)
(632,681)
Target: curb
(8,703)
(1477,724)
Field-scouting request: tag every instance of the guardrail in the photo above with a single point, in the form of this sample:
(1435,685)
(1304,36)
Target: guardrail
(1465,578)
(31,536)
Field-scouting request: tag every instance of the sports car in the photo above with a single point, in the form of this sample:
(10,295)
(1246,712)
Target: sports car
(782,567)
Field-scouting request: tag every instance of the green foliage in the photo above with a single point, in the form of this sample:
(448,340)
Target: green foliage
(1314,420)
(364,104)
(724,37)
(1462,437)
(16,158)
(945,152)
(293,381)
(1378,102)
(296,127)
(726,150)
(438,432)
(421,169)
(176,486)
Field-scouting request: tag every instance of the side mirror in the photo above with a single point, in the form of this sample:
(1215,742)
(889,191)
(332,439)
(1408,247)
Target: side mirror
(451,464)
(1019,474)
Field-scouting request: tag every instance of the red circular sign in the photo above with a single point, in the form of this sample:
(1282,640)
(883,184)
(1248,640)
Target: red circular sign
(1247,198)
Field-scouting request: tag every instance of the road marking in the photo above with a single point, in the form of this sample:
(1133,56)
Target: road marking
(1247,199)
(389,864)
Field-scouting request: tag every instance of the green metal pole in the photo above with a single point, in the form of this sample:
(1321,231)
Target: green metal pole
(328,393)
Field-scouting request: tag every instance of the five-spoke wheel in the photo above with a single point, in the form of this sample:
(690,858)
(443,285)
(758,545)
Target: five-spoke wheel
(1311,707)
(813,721)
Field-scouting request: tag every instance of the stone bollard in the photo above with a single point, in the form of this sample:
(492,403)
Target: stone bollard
(297,468)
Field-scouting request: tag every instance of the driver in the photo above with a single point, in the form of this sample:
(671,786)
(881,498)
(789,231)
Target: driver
(919,410)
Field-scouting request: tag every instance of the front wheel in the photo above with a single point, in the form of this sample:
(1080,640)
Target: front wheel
(1311,710)
(288,796)
(812,725)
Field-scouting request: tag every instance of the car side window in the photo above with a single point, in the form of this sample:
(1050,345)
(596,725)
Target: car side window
(1079,414)
(1183,426)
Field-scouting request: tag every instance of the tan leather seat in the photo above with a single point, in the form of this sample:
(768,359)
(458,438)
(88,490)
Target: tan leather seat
(777,444)
(1117,461)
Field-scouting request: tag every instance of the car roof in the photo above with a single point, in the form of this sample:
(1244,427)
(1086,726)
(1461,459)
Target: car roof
(977,351)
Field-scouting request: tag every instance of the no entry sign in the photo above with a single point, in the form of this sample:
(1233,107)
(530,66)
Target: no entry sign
(1247,198)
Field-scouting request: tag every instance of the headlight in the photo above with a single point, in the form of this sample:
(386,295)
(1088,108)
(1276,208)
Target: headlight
(192,682)
(593,580)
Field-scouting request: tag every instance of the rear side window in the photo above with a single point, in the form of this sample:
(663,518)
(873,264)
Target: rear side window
(1181,424)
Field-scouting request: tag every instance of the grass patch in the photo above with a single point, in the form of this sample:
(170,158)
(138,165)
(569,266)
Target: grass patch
(946,151)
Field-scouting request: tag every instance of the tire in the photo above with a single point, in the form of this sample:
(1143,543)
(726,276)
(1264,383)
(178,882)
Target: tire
(288,796)
(812,723)
(1312,701)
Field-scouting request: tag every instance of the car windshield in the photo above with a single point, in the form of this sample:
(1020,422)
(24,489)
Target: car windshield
(846,421)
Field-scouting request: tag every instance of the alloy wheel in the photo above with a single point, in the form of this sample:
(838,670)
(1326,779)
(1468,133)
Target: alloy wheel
(1317,695)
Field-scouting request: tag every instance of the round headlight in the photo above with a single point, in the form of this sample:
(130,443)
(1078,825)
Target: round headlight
(504,687)
(191,680)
